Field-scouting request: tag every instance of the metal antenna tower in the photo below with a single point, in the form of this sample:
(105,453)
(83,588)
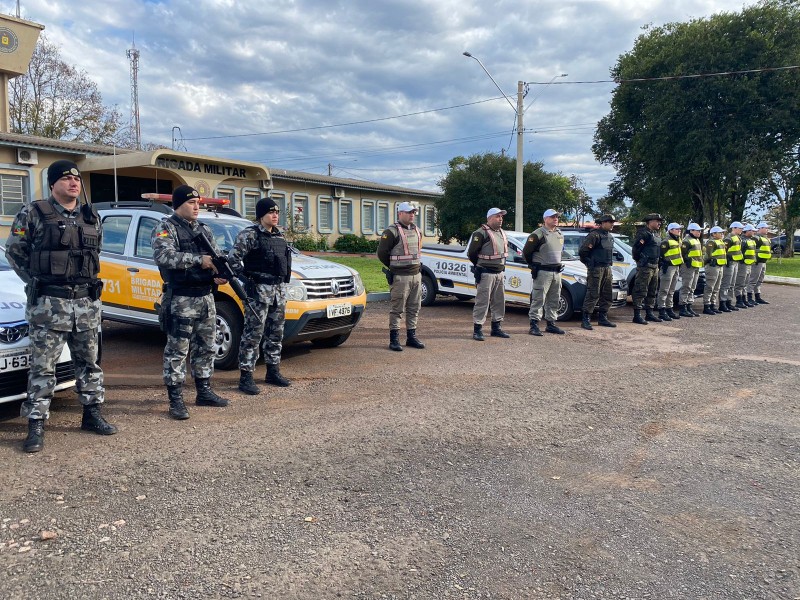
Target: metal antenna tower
(136,126)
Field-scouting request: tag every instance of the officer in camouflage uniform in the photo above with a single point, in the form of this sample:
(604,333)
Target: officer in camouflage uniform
(597,253)
(542,252)
(54,248)
(487,251)
(263,260)
(645,248)
(187,310)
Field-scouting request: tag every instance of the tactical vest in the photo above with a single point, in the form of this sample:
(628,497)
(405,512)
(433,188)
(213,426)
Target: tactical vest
(549,252)
(69,251)
(764,248)
(268,263)
(195,276)
(695,254)
(719,255)
(735,249)
(673,252)
(651,248)
(749,250)
(405,252)
(602,254)
(495,248)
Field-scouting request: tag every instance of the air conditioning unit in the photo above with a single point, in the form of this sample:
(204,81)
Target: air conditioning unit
(338,192)
(266,184)
(27,157)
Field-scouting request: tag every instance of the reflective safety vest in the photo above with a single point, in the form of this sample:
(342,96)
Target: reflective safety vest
(764,249)
(499,254)
(673,252)
(406,249)
(749,251)
(735,249)
(719,256)
(695,253)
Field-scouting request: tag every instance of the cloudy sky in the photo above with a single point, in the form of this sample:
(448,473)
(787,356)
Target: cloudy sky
(370,89)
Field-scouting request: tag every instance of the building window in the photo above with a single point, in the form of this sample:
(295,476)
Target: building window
(300,217)
(383,216)
(13,193)
(324,214)
(345,216)
(429,227)
(367,217)
(280,200)
(249,200)
(228,193)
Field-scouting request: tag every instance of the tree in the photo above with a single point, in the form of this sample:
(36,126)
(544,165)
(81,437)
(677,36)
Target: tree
(475,184)
(781,192)
(697,147)
(56,100)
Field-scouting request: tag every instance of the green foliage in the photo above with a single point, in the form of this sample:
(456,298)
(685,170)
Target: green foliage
(368,267)
(355,244)
(310,242)
(697,147)
(475,184)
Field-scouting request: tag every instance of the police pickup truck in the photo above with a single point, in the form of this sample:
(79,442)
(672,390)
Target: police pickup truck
(446,271)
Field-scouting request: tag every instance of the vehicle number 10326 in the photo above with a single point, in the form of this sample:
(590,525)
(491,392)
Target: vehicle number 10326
(451,266)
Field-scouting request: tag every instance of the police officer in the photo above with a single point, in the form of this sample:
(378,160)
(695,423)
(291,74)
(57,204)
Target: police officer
(716,257)
(670,260)
(487,250)
(733,243)
(646,253)
(190,318)
(398,250)
(542,252)
(597,253)
(759,270)
(692,253)
(749,251)
(54,248)
(262,259)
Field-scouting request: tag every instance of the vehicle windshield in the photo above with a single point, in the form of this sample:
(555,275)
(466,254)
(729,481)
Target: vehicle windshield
(225,230)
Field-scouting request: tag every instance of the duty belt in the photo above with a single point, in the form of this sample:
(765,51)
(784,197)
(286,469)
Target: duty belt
(264,278)
(66,292)
(193,292)
(551,268)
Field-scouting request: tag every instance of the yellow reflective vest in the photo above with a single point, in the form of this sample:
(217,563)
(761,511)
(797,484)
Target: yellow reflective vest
(672,253)
(749,244)
(716,253)
(764,248)
(735,248)
(693,256)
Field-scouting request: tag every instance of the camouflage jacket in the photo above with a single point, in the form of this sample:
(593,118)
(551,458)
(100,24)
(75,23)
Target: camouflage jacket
(166,247)
(247,241)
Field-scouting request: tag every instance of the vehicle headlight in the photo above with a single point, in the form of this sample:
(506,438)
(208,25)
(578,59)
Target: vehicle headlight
(296,291)
(580,279)
(358,284)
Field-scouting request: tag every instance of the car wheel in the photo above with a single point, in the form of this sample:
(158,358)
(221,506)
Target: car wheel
(565,308)
(331,342)
(227,336)
(428,291)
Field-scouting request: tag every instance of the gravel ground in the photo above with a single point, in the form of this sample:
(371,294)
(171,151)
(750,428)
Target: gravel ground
(640,462)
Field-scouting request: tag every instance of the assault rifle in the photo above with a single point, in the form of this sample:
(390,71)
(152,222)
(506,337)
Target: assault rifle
(223,268)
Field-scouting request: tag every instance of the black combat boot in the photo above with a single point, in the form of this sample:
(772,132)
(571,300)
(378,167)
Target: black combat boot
(685,311)
(93,421)
(731,306)
(760,300)
(740,302)
(534,330)
(246,383)
(649,315)
(707,310)
(477,332)
(274,376)
(749,300)
(412,340)
(586,322)
(602,319)
(662,315)
(394,340)
(672,314)
(637,316)
(716,308)
(206,396)
(177,409)
(553,328)
(497,330)
(35,440)
(690,308)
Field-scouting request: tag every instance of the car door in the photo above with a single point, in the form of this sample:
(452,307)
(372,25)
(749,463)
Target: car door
(113,262)
(145,279)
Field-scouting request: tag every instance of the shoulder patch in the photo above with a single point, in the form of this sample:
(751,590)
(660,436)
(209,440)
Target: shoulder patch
(531,238)
(18,231)
(163,233)
(385,237)
(477,238)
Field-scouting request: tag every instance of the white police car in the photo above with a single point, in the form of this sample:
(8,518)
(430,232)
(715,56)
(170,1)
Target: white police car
(15,353)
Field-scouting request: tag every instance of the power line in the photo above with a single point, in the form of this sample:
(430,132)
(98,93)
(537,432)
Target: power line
(668,77)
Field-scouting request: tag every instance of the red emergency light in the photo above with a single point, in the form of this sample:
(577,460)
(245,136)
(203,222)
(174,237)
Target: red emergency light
(167,198)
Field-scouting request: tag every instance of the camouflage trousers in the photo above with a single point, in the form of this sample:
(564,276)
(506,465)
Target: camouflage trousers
(645,287)
(193,326)
(46,347)
(599,290)
(264,327)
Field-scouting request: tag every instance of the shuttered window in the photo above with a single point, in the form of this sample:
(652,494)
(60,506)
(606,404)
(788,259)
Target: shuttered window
(13,193)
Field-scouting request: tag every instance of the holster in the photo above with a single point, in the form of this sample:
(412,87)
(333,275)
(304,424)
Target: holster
(32,290)
(96,289)
(534,270)
(165,311)
(477,272)
(389,275)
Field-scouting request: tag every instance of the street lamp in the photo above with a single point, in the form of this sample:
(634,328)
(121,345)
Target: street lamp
(520,111)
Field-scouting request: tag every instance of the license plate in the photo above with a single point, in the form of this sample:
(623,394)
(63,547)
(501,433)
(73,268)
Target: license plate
(15,361)
(339,310)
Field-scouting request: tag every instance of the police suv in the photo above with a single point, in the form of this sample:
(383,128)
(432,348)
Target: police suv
(325,300)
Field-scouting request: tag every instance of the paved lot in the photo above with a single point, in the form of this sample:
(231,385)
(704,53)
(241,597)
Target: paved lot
(640,462)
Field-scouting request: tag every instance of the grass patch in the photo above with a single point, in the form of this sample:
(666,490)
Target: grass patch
(368,267)
(788,267)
